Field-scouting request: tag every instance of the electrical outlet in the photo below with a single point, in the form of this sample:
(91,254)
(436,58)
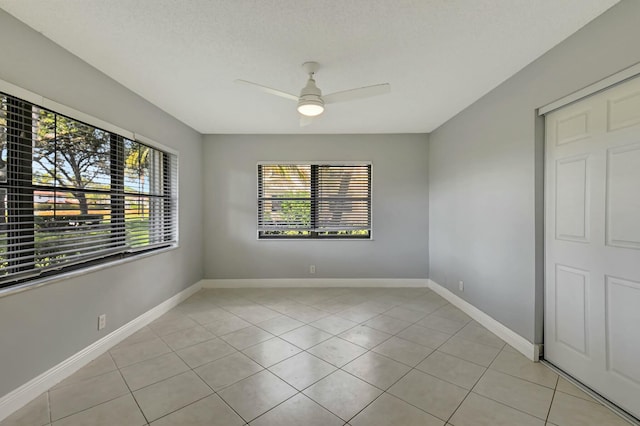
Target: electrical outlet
(312,269)
(102,321)
(461,285)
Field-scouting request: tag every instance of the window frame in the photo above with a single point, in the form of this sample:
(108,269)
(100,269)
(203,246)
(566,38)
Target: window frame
(314,234)
(35,276)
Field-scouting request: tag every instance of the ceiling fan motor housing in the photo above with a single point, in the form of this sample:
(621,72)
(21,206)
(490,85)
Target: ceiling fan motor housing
(310,102)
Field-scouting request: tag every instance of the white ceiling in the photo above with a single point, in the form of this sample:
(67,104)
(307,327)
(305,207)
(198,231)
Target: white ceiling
(438,55)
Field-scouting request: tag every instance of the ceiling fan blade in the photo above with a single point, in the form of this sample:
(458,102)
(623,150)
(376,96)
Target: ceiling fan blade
(305,120)
(360,93)
(268,90)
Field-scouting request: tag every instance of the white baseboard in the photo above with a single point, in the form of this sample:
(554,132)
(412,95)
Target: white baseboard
(19,397)
(528,349)
(312,282)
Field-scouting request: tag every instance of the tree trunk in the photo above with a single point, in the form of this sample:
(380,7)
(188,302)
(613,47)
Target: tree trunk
(82,201)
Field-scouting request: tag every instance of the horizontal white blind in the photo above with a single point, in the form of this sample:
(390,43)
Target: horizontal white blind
(344,199)
(71,193)
(314,200)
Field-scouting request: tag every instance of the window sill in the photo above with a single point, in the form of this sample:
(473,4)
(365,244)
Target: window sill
(39,282)
(313,239)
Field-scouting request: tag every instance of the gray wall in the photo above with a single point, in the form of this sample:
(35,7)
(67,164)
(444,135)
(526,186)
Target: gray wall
(400,208)
(485,174)
(41,327)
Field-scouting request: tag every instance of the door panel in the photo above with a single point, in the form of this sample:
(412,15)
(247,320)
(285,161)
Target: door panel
(623,197)
(572,301)
(592,242)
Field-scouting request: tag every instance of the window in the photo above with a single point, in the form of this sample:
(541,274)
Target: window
(72,194)
(314,200)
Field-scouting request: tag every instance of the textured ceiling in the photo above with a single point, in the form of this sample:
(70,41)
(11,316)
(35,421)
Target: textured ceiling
(438,55)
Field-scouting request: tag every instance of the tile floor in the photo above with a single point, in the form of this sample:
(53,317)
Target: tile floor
(313,357)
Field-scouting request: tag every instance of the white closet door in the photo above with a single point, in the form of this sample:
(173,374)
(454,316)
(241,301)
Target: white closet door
(592,242)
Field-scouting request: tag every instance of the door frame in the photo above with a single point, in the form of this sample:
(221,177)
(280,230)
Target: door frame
(540,214)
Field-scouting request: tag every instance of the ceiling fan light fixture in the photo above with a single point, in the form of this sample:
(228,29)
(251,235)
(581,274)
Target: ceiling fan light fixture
(310,107)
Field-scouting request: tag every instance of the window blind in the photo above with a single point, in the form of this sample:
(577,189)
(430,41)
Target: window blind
(314,200)
(71,193)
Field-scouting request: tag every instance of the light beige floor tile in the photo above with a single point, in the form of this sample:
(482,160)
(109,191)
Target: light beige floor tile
(168,324)
(191,336)
(139,352)
(332,306)
(403,351)
(280,325)
(424,336)
(337,351)
(305,337)
(357,314)
(171,394)
(209,411)
(477,410)
(512,392)
(256,394)
(517,365)
(452,369)
(470,351)
(568,410)
(378,306)
(333,324)
(452,313)
(228,370)
(477,333)
(388,410)
(255,314)
(35,413)
(404,314)
(246,337)
(302,370)
(376,369)
(568,387)
(88,393)
(210,315)
(516,393)
(205,352)
(364,336)
(342,394)
(296,411)
(307,314)
(424,306)
(429,393)
(103,364)
(441,324)
(119,411)
(509,348)
(227,325)
(142,335)
(153,370)
(271,351)
(387,324)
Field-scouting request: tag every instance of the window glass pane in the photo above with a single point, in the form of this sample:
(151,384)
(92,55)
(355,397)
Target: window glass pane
(137,220)
(71,193)
(285,199)
(136,167)
(3,231)
(314,200)
(143,169)
(70,154)
(343,200)
(64,233)
(3,139)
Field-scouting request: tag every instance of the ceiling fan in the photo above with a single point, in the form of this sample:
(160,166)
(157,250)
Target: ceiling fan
(311,102)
